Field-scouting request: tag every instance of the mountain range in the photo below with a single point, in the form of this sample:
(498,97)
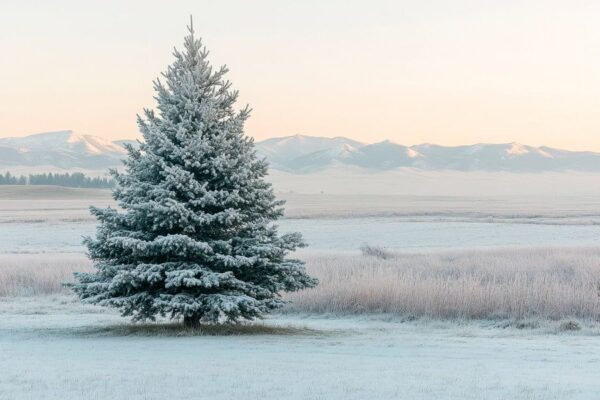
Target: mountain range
(305,154)
(63,149)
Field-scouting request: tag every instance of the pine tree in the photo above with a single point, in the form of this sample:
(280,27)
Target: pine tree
(194,238)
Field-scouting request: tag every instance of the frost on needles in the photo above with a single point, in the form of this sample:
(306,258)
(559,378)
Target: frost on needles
(195,237)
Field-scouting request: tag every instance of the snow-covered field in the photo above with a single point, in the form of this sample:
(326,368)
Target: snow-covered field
(43,219)
(56,350)
(333,343)
(337,234)
(59,204)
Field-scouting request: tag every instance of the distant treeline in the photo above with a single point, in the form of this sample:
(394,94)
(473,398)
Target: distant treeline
(76,179)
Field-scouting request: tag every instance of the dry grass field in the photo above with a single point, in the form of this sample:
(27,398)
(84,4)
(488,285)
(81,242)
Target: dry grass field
(38,274)
(546,283)
(513,283)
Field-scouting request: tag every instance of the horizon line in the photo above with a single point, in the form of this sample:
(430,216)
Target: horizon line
(325,137)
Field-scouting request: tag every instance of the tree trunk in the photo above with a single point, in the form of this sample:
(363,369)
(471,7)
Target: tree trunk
(191,321)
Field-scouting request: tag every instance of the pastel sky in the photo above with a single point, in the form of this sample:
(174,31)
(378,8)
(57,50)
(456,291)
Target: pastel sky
(448,72)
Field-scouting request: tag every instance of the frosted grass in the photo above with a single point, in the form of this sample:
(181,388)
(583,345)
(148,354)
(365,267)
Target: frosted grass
(65,352)
(550,283)
(38,274)
(511,283)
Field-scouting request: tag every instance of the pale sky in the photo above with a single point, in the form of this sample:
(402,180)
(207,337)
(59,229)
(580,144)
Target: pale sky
(438,71)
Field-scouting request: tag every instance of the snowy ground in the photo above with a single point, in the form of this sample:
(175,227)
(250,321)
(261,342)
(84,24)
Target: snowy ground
(58,204)
(337,234)
(55,349)
(50,219)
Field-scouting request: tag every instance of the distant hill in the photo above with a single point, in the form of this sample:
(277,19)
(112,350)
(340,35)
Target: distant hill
(300,152)
(307,154)
(63,149)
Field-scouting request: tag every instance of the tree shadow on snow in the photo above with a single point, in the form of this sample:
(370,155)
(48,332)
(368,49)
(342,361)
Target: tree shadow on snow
(178,330)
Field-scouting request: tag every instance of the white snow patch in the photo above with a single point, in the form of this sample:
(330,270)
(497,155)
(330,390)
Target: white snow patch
(544,153)
(517,149)
(96,145)
(71,352)
(413,153)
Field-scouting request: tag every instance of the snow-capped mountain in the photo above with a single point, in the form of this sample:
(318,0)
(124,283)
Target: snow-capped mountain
(299,151)
(513,157)
(387,155)
(63,149)
(304,154)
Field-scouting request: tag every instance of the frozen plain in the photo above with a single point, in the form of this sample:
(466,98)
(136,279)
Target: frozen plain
(42,219)
(56,349)
(53,348)
(347,234)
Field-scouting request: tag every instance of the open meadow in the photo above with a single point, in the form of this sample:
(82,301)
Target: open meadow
(400,298)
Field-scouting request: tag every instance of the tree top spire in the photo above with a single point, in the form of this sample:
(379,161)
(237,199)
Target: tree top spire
(191,26)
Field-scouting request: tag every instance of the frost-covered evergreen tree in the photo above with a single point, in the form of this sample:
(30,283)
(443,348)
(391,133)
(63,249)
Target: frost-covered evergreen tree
(195,236)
